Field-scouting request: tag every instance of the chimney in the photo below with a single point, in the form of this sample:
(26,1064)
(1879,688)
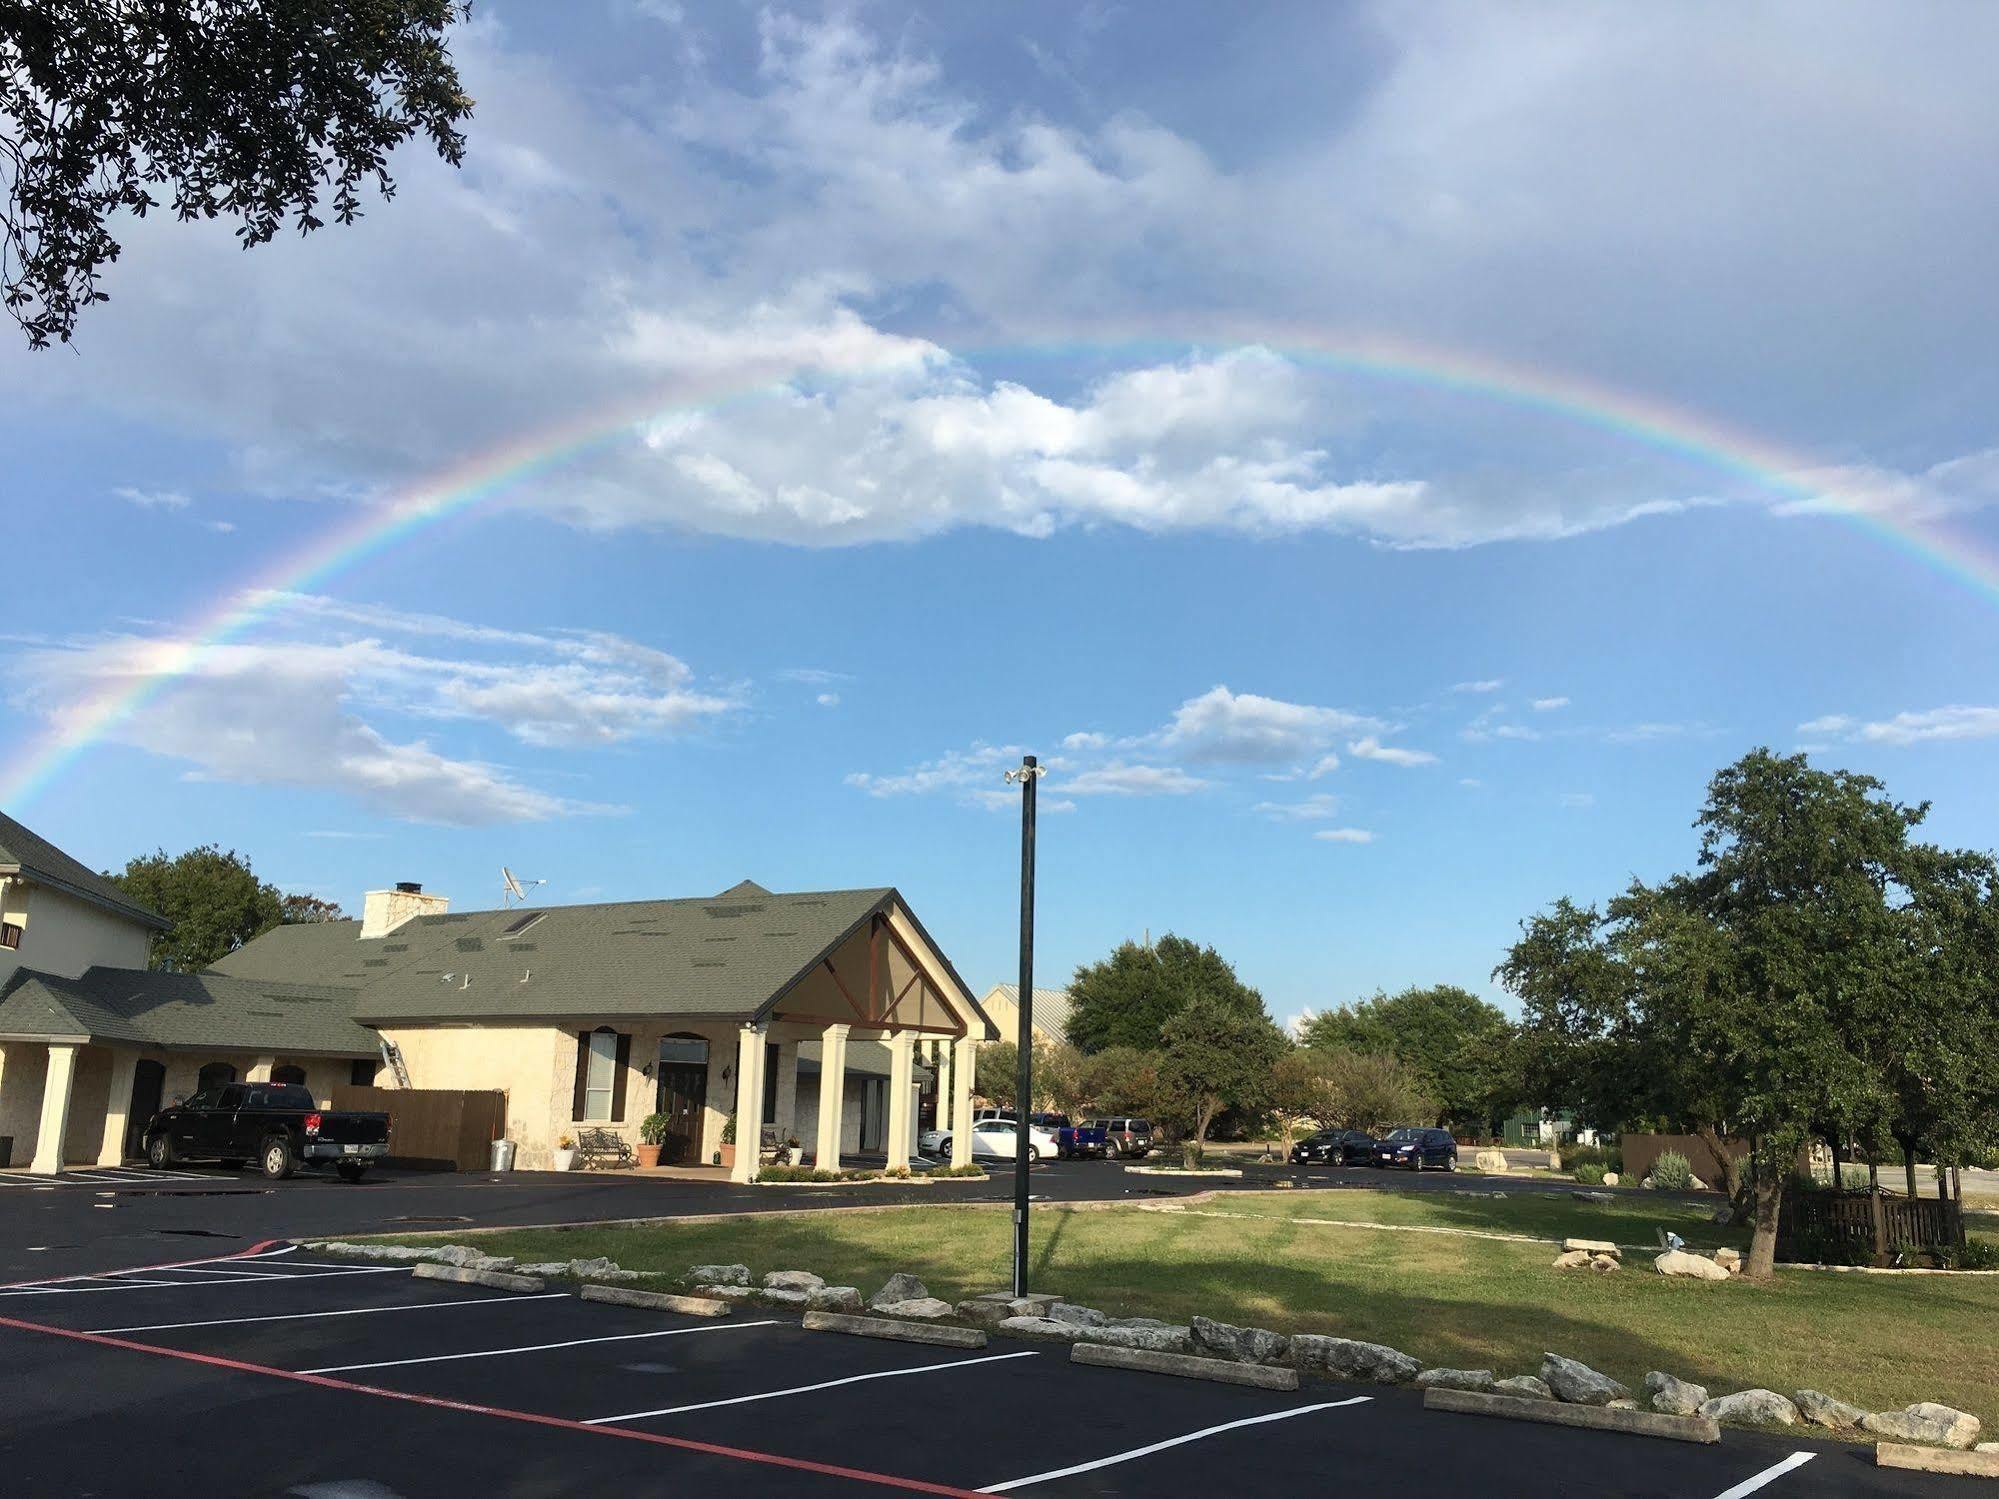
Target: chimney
(382,911)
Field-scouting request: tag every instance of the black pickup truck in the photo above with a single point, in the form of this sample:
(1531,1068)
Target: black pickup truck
(277,1125)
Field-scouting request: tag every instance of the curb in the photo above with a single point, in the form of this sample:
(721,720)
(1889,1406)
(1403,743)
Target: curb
(1593,1417)
(1185,1365)
(900,1332)
(499,1280)
(661,1301)
(1937,1460)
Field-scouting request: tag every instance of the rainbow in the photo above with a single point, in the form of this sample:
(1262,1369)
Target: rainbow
(480,480)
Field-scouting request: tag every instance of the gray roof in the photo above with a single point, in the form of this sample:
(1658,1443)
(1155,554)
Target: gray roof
(194,1011)
(734,954)
(1051,1007)
(28,854)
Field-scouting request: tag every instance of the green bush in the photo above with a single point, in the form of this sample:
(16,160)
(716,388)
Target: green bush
(1591,1174)
(1608,1157)
(1672,1172)
(813,1174)
(1973,1254)
(969,1170)
(653,1128)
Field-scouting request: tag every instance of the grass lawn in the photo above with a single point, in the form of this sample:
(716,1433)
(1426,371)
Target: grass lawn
(1879,1341)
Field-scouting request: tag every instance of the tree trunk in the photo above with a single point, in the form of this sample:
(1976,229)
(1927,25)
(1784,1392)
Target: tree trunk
(1873,1175)
(1728,1162)
(1768,1187)
(1908,1145)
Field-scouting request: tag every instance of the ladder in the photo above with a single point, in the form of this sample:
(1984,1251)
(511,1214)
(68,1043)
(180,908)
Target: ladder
(392,1058)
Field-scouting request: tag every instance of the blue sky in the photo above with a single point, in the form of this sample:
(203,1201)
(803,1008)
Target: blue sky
(1025,447)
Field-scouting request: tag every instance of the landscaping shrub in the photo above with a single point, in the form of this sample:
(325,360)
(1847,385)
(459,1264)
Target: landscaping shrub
(1605,1157)
(813,1174)
(1590,1174)
(1973,1254)
(968,1170)
(1672,1172)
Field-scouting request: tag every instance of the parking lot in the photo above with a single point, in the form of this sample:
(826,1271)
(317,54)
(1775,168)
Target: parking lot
(273,1372)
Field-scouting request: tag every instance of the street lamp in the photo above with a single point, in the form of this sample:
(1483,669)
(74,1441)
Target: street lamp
(1023,1096)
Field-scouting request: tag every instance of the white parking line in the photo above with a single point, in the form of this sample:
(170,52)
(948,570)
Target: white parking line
(352,1311)
(81,1285)
(292,1274)
(1770,1474)
(806,1389)
(622,1337)
(1192,1436)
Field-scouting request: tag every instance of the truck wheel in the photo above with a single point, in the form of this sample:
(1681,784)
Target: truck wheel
(277,1159)
(160,1153)
(351,1171)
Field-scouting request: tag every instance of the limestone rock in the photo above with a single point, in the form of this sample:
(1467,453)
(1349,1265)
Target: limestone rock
(833,1299)
(1492,1162)
(1245,1345)
(1041,1327)
(985,1312)
(793,1280)
(1694,1266)
(785,1296)
(1610,1178)
(472,1259)
(1822,1410)
(1926,1421)
(1349,1358)
(1593,1196)
(1625,1404)
(1162,1337)
(1523,1385)
(1082,1316)
(1572,1259)
(916,1309)
(725,1293)
(601,1264)
(718,1275)
(1729,1260)
(1752,1408)
(1479,1381)
(1578,1383)
(547,1268)
(900,1287)
(1603,1264)
(1673,1397)
(1986,1447)
(1723,1215)
(1591,1246)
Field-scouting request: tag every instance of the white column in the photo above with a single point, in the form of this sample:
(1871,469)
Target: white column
(260,1070)
(118,1108)
(749,1102)
(946,1085)
(832,1094)
(787,1090)
(901,1098)
(55,1110)
(964,1053)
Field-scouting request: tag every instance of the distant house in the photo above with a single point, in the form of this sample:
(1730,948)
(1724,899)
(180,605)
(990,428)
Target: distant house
(741,1004)
(1051,1012)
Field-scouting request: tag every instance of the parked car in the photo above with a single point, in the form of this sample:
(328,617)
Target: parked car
(1073,1141)
(277,1125)
(1335,1147)
(1127,1137)
(1414,1149)
(995,1139)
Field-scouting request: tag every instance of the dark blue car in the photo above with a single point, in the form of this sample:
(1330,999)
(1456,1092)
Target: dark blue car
(1334,1147)
(1417,1149)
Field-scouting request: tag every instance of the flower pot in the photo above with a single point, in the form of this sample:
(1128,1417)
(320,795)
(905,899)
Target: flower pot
(565,1160)
(728,1157)
(795,1155)
(649,1155)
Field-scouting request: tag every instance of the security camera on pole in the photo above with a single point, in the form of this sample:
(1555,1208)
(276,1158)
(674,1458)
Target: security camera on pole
(1023,1097)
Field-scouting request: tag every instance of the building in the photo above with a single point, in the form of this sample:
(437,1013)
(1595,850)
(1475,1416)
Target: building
(1051,1013)
(798,1015)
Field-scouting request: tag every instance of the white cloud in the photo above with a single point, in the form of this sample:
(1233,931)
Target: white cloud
(1472,781)
(1085,741)
(153,499)
(812,676)
(1120,779)
(1487,684)
(828,700)
(1371,748)
(1315,808)
(1221,725)
(963,771)
(1325,765)
(1930,725)
(1344,835)
(1549,704)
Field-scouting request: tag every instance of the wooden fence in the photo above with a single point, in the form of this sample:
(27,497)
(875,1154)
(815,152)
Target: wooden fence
(1641,1151)
(442,1129)
(1851,1227)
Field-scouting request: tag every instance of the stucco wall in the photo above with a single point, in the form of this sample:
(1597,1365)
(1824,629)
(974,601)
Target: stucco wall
(521,1060)
(23,1066)
(63,935)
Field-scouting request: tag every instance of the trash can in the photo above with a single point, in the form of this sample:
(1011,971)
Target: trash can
(503,1155)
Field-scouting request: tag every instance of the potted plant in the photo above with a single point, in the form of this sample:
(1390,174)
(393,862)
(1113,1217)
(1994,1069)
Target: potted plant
(565,1153)
(652,1138)
(726,1156)
(794,1152)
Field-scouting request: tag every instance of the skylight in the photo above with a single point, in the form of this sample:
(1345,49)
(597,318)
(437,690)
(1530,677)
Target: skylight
(521,923)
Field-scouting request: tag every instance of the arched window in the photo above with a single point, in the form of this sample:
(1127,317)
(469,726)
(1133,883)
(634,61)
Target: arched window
(288,1075)
(214,1075)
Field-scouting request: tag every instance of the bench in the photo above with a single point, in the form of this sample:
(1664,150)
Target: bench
(596,1147)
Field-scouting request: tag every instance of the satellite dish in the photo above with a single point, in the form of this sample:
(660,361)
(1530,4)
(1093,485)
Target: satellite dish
(515,888)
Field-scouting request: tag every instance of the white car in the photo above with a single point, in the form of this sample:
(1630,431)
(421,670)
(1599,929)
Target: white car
(992,1138)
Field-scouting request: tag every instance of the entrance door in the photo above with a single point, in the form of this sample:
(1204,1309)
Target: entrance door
(149,1079)
(683,1093)
(874,1113)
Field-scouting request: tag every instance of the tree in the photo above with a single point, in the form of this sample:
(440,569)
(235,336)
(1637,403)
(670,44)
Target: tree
(996,1080)
(1123,1080)
(1460,1047)
(298,909)
(1212,1056)
(250,109)
(214,900)
(1126,999)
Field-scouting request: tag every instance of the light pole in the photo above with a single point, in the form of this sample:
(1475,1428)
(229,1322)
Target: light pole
(1023,1096)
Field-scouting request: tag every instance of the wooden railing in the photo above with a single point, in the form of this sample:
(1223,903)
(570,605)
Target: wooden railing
(1864,1226)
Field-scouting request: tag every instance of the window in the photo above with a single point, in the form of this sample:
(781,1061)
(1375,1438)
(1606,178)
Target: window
(231,1097)
(601,1059)
(770,1082)
(288,1075)
(10,934)
(213,1076)
(362,1073)
(683,1051)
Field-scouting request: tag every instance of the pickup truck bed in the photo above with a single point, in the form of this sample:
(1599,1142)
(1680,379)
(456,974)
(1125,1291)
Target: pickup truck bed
(1081,1140)
(277,1125)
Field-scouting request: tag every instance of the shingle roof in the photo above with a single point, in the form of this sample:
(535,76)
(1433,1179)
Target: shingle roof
(25,852)
(194,1010)
(718,955)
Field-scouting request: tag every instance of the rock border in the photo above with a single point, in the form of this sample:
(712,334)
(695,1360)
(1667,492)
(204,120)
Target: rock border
(499,1280)
(1561,1413)
(1185,1365)
(895,1331)
(1235,1171)
(1937,1460)
(661,1301)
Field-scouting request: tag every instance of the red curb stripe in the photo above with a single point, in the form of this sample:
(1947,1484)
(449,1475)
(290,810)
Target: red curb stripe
(215,1259)
(532,1418)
